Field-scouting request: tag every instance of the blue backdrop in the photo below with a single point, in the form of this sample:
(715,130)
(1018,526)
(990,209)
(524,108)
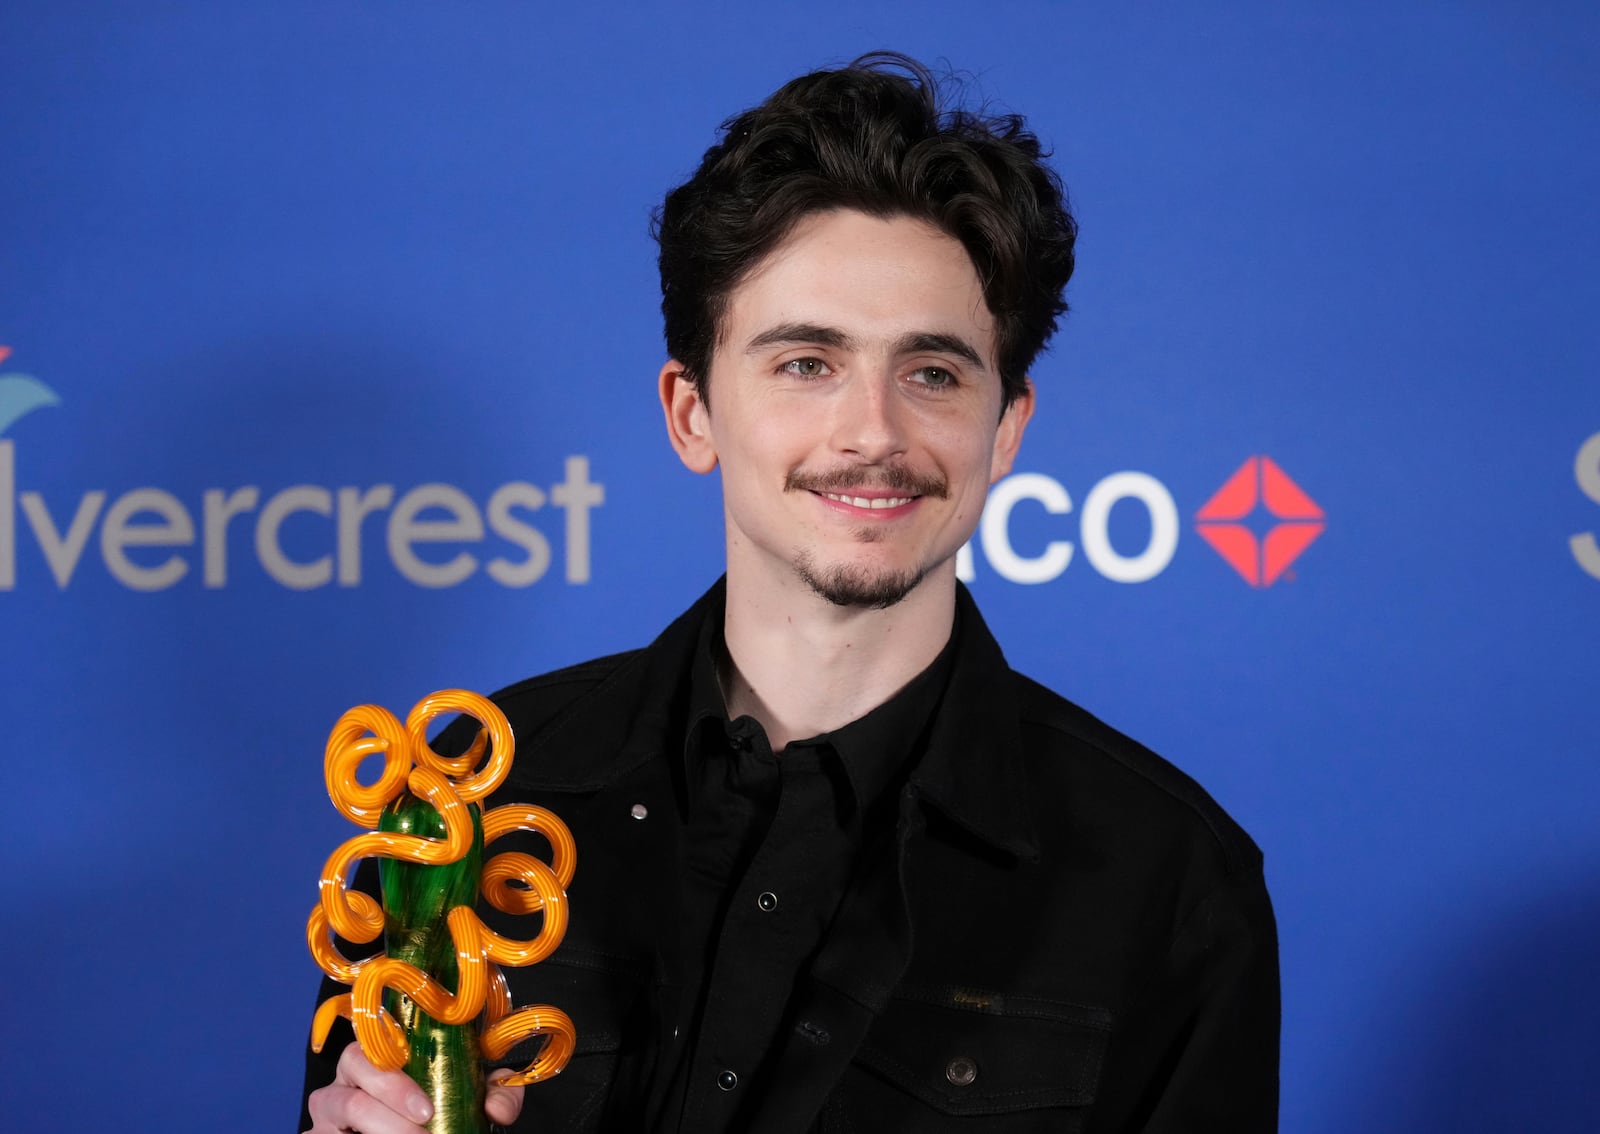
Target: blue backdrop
(332,343)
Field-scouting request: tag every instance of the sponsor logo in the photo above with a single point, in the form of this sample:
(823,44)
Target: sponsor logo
(1259,521)
(1260,498)
(434,535)
(1586,471)
(1094,529)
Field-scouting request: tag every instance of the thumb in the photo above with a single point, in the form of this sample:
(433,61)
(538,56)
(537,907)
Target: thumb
(502,1104)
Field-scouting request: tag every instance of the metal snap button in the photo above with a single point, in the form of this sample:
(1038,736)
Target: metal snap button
(961,1071)
(816,1033)
(727,1080)
(768,901)
(638,811)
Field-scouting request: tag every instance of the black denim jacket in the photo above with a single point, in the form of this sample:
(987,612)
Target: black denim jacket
(1065,933)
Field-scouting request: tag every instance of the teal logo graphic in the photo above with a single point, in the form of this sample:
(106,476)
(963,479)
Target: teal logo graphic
(20,395)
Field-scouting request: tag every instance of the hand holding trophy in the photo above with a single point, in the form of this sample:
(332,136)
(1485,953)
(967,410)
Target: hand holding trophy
(435,1001)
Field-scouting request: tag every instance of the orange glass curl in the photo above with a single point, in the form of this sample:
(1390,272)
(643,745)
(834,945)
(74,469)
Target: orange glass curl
(449,785)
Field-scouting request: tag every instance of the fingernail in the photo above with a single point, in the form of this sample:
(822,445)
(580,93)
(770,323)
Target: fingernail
(421,1109)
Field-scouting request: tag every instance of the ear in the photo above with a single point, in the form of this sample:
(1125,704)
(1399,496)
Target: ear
(1008,437)
(688,419)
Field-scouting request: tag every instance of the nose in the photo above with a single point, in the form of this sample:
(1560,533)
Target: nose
(869,421)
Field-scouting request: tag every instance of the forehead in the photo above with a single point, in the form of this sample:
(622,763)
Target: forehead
(873,277)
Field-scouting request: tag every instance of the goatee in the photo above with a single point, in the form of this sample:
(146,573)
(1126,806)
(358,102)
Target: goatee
(856,586)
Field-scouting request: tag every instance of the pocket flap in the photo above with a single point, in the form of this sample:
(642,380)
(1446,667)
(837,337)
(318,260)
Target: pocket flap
(602,995)
(969,1053)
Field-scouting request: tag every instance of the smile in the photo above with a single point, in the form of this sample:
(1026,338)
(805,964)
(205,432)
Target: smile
(865,502)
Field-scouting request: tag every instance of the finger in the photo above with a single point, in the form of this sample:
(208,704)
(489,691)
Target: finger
(502,1104)
(337,1108)
(394,1089)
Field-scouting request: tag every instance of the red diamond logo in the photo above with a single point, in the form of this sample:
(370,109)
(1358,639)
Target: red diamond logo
(1260,490)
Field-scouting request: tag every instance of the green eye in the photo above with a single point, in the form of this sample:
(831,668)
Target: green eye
(936,376)
(806,367)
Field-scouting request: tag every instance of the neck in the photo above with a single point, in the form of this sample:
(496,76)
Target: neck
(802,666)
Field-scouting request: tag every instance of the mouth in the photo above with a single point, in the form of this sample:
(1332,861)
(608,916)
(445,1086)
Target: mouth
(886,490)
(875,503)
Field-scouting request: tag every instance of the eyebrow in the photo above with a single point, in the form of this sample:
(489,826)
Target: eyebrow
(788,333)
(933,341)
(914,342)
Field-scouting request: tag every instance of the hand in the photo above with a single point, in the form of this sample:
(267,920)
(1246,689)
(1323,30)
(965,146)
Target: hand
(387,1102)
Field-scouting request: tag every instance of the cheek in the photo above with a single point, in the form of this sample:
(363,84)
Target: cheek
(973,460)
(780,442)
(756,460)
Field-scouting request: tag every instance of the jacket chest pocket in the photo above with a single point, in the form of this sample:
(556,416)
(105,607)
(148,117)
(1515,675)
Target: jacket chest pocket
(963,1061)
(603,996)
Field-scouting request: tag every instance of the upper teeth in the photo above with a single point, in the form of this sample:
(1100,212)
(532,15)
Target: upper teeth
(875,502)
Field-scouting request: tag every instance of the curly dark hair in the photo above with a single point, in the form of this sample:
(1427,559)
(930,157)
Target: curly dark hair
(871,136)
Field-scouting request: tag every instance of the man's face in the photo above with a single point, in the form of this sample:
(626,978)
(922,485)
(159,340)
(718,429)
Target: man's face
(857,410)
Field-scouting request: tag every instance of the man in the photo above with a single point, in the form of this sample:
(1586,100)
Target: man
(842,869)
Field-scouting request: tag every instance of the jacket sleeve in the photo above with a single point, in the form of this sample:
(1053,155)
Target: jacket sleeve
(1198,1050)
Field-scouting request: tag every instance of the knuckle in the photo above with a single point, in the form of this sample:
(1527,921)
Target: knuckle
(324,1106)
(351,1062)
(366,1113)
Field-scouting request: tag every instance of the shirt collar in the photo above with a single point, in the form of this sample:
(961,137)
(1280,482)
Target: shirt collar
(873,749)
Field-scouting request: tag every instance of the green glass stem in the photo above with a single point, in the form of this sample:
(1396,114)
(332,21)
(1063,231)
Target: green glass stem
(416,898)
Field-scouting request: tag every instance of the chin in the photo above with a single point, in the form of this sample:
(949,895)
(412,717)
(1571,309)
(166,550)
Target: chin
(870,588)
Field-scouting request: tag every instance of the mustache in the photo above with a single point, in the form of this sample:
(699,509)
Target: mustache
(894,478)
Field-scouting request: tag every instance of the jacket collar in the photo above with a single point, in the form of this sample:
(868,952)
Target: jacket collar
(622,722)
(973,770)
